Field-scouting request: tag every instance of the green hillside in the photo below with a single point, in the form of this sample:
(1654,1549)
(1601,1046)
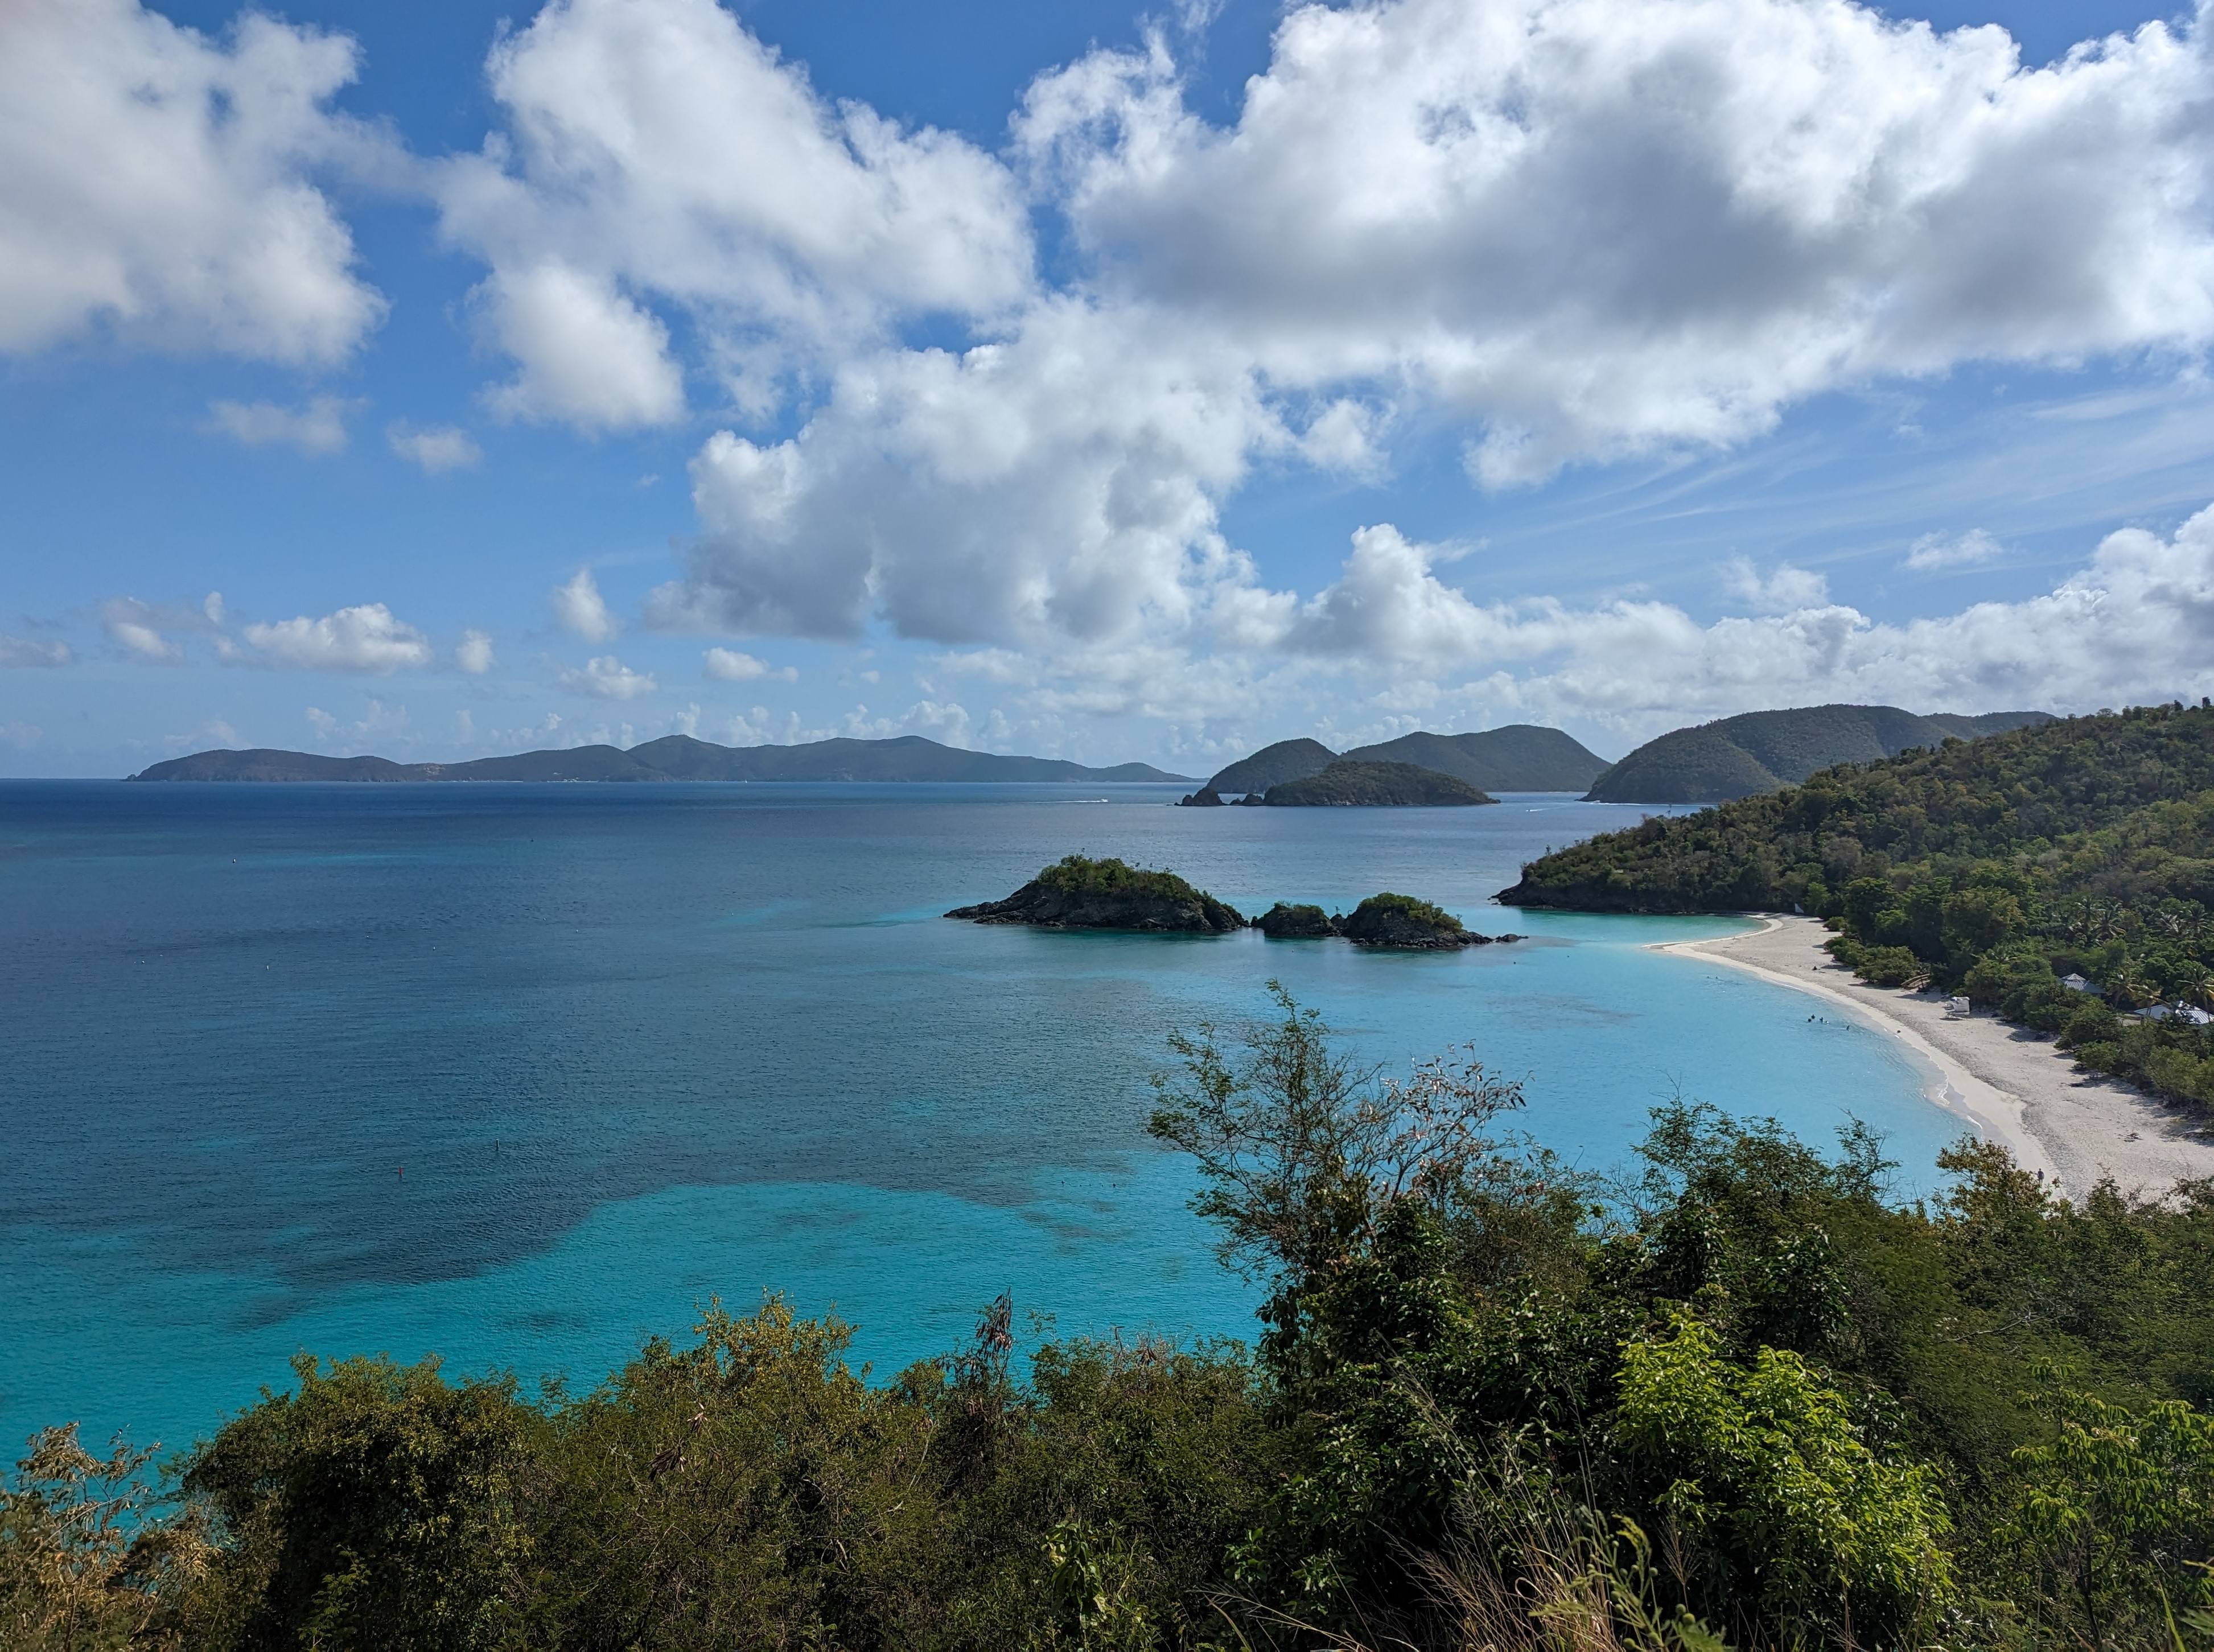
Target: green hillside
(1287,760)
(1761,751)
(1521,757)
(1993,867)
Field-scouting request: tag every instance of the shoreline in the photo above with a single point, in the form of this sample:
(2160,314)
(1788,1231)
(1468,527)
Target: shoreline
(2007,1083)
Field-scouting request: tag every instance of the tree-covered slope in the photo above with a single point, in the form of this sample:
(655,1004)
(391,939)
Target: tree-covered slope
(1995,867)
(1761,751)
(1346,783)
(1287,760)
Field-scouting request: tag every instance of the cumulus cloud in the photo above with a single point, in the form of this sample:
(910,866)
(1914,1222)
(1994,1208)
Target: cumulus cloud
(579,609)
(317,429)
(158,186)
(367,639)
(654,151)
(1933,552)
(608,679)
(23,651)
(2136,624)
(1784,589)
(729,665)
(586,353)
(1580,231)
(435,450)
(474,653)
(1064,484)
(1594,227)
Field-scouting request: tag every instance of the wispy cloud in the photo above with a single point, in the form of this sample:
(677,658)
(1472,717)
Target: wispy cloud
(435,449)
(317,429)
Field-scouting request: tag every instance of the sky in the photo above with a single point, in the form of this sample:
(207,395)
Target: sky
(439,379)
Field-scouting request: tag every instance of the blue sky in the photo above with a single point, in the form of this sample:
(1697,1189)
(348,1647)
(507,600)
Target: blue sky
(438,380)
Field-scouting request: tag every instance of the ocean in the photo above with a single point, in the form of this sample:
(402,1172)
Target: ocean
(521,1075)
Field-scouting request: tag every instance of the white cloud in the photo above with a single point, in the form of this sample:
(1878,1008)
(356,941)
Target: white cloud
(367,638)
(2136,625)
(1062,485)
(156,187)
(587,354)
(317,429)
(437,449)
(474,653)
(609,678)
(656,152)
(1580,229)
(1593,228)
(579,608)
(729,665)
(23,651)
(1784,590)
(380,720)
(139,628)
(1934,551)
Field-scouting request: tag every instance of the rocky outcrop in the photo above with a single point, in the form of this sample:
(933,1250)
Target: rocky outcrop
(1077,893)
(1206,798)
(1283,922)
(1398,922)
(1402,922)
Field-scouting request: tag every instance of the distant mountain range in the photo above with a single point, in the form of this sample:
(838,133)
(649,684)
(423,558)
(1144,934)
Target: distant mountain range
(673,757)
(1521,757)
(1765,751)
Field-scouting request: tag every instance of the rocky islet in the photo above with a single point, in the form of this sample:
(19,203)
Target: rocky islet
(1077,892)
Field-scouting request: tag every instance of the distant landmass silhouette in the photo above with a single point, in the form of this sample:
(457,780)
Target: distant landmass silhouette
(1521,757)
(673,757)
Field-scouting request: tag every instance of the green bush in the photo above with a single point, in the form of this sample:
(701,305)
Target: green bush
(1890,966)
(1764,1470)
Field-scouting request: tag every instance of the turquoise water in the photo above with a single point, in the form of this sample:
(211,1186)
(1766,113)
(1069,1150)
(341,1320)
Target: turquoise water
(521,1074)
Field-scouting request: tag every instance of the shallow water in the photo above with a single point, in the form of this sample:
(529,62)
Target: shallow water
(520,1075)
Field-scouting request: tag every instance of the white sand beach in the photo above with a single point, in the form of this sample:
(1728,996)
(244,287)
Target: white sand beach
(2009,1082)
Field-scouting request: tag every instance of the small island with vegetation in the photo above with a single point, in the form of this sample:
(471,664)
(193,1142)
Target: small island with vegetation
(1399,922)
(1077,892)
(1346,785)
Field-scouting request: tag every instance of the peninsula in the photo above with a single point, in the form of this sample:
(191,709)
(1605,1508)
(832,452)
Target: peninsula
(2060,875)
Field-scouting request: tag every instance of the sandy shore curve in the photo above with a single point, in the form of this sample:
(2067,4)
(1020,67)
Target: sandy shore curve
(2009,1084)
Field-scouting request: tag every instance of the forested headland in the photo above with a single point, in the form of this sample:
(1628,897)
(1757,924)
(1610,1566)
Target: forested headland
(1998,868)
(1738,1396)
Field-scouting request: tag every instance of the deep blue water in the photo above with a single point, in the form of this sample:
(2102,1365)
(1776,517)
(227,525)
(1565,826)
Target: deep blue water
(520,1075)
